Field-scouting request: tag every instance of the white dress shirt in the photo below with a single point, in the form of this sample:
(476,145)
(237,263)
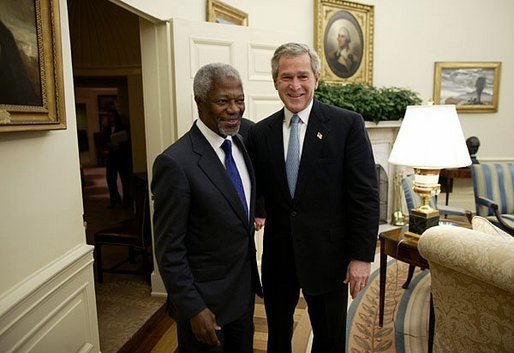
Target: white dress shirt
(302,127)
(216,141)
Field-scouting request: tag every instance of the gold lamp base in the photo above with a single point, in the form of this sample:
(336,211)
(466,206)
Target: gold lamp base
(424,216)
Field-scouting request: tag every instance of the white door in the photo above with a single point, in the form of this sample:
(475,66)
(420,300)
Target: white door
(248,50)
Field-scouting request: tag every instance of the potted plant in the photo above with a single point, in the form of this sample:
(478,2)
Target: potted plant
(374,104)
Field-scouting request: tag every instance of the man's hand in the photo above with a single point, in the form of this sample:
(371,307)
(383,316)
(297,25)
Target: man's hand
(204,327)
(259,223)
(357,276)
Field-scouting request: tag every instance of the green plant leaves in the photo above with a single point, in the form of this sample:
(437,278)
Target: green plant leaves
(374,104)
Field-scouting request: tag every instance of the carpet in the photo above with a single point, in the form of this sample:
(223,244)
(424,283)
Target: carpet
(405,328)
(124,305)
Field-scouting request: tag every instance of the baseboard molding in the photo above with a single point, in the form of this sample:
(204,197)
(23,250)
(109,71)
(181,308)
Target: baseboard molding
(54,310)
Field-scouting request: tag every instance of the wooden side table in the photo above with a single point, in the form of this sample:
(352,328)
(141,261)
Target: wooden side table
(394,244)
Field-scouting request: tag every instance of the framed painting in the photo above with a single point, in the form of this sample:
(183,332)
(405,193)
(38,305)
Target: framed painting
(106,103)
(220,12)
(31,84)
(343,34)
(471,86)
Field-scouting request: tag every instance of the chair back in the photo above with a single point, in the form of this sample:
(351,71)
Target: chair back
(412,199)
(494,181)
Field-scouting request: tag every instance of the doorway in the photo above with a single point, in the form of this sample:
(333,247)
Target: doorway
(106,59)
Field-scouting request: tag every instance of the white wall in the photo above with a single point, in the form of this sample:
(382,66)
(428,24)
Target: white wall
(41,207)
(409,37)
(42,237)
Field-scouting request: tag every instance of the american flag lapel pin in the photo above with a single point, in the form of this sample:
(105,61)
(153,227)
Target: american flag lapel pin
(319,135)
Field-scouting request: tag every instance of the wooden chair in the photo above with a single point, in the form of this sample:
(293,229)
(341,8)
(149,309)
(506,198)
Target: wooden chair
(493,185)
(133,233)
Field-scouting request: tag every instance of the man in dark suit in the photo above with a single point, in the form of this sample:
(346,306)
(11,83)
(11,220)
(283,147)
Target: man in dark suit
(204,222)
(321,232)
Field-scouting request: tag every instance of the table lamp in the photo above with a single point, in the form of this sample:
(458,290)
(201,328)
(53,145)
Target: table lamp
(430,139)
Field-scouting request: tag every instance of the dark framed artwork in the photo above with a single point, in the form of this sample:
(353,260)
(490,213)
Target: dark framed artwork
(472,86)
(31,77)
(220,12)
(344,40)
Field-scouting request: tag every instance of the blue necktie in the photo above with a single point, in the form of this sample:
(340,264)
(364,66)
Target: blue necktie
(293,155)
(233,173)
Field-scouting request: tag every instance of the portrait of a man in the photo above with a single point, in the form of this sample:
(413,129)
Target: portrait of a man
(343,43)
(19,78)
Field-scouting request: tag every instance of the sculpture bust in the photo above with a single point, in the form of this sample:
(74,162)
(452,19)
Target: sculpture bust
(473,143)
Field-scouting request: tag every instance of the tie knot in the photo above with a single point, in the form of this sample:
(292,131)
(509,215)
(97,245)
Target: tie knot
(295,119)
(227,146)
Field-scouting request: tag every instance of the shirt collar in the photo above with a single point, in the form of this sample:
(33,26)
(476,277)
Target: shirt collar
(213,138)
(303,115)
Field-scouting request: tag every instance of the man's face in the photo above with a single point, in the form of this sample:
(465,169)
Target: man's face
(342,39)
(224,108)
(296,82)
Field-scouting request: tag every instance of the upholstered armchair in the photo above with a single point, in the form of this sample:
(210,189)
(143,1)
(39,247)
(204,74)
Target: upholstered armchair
(472,288)
(493,184)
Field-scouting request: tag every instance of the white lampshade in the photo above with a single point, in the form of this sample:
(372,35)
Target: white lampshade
(430,137)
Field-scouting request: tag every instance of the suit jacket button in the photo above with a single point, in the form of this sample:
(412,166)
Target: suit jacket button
(293,214)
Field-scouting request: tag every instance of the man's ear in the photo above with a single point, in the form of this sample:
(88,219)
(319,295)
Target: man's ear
(275,84)
(316,77)
(199,103)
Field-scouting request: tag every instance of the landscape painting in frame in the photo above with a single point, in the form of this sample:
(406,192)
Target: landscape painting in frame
(471,86)
(344,40)
(31,78)
(220,12)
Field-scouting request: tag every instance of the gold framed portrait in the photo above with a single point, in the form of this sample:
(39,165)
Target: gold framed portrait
(32,91)
(220,12)
(472,86)
(343,34)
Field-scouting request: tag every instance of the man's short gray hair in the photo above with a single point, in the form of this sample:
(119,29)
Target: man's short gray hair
(206,75)
(294,49)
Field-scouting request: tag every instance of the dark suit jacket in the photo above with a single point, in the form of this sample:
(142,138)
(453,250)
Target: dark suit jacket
(246,124)
(333,217)
(203,240)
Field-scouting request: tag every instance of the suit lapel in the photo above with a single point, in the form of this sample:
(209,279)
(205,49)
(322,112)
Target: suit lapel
(210,164)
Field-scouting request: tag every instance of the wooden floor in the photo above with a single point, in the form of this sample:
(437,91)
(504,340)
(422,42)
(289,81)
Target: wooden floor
(158,334)
(161,336)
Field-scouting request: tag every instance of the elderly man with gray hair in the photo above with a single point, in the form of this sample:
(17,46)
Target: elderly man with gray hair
(204,190)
